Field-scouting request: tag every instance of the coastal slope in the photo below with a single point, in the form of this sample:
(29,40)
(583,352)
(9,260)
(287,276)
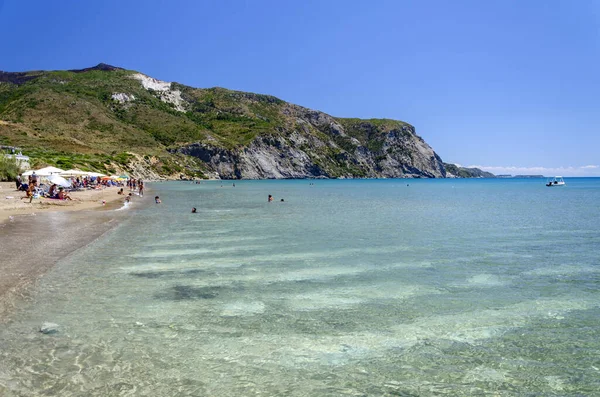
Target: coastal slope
(114,120)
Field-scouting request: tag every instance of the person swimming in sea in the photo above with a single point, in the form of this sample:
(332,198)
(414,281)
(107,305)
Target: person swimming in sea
(270,198)
(194,210)
(157,200)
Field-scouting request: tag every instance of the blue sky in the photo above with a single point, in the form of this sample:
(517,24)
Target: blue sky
(512,86)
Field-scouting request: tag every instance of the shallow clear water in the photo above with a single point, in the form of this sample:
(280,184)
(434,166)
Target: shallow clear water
(389,287)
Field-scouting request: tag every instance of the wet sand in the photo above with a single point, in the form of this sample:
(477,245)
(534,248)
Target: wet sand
(31,245)
(35,237)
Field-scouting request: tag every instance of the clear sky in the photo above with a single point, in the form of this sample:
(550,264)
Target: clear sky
(509,85)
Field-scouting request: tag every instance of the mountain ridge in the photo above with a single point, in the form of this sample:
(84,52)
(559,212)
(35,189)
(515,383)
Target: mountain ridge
(111,119)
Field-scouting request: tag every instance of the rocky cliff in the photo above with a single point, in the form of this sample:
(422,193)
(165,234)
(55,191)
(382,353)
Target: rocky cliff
(315,145)
(114,120)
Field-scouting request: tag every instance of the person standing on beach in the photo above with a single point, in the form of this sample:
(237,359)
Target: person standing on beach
(141,188)
(29,193)
(19,182)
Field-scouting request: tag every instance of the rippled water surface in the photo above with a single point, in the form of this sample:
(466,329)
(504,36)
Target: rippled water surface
(392,287)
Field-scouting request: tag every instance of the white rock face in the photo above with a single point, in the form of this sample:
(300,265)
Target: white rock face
(164,91)
(150,83)
(122,97)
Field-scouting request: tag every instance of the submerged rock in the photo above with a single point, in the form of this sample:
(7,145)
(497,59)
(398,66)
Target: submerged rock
(49,328)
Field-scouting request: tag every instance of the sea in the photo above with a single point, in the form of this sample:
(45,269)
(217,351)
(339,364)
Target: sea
(400,287)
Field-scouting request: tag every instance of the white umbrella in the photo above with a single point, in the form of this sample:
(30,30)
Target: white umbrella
(73,172)
(41,172)
(59,180)
(95,174)
(49,171)
(44,171)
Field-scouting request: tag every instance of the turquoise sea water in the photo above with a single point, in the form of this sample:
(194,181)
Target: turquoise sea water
(369,287)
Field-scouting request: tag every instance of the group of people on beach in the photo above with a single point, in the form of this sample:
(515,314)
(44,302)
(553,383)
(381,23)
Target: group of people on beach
(58,192)
(34,189)
(29,187)
(134,184)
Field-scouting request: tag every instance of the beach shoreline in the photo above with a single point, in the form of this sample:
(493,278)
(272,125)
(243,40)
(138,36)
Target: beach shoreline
(34,238)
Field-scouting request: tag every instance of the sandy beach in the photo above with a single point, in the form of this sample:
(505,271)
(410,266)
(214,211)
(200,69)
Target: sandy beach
(34,236)
(11,202)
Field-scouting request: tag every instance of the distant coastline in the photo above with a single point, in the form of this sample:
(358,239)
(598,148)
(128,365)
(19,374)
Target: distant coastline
(520,176)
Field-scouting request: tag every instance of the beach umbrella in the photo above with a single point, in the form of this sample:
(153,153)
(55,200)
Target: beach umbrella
(59,180)
(44,171)
(96,174)
(48,171)
(41,172)
(73,172)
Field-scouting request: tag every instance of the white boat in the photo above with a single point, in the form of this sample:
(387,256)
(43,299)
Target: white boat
(557,181)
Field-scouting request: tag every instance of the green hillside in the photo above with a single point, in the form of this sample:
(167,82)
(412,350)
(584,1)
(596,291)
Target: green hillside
(114,120)
(70,119)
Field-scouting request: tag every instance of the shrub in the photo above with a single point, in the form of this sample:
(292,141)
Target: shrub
(9,169)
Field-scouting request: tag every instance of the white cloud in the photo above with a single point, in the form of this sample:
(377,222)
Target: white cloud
(585,170)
